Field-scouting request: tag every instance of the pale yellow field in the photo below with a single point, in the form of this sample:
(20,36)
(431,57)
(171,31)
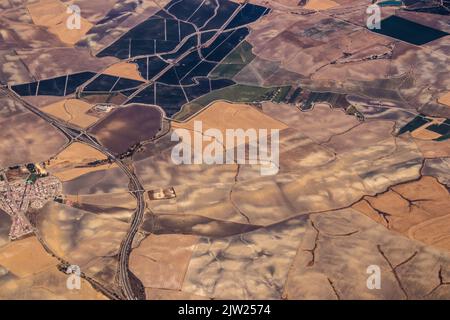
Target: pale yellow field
(161,261)
(320,4)
(445,99)
(125,70)
(423,133)
(73,111)
(426,220)
(37,274)
(224,115)
(25,257)
(53,15)
(64,165)
(434,149)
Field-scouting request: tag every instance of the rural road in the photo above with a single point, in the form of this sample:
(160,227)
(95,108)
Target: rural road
(74,134)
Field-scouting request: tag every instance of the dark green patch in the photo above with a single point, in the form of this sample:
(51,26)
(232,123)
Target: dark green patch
(236,93)
(234,62)
(417,122)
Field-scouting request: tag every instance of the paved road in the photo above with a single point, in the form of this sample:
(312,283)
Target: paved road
(136,188)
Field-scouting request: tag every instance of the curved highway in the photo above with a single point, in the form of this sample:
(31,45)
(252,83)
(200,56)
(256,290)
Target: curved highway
(74,134)
(136,188)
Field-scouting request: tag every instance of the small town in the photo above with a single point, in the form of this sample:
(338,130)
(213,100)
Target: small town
(22,189)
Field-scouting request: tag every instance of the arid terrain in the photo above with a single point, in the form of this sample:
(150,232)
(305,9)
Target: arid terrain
(224,149)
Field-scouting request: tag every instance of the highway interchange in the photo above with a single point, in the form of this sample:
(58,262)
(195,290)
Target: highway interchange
(136,188)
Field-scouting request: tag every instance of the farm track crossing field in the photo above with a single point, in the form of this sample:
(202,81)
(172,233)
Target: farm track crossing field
(224,149)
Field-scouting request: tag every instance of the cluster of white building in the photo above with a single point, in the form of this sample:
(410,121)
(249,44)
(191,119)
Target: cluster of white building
(18,196)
